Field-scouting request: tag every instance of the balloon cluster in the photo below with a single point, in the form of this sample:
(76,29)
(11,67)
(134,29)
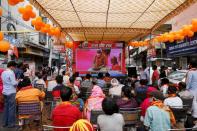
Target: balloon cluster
(4,45)
(139,43)
(39,25)
(185,31)
(14,2)
(27,12)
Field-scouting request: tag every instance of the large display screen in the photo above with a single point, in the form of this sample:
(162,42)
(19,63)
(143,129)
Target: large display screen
(99,60)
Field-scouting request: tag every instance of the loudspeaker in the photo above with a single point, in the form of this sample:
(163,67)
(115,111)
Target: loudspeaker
(132,71)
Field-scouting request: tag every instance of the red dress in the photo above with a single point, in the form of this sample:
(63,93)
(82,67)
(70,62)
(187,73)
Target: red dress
(65,115)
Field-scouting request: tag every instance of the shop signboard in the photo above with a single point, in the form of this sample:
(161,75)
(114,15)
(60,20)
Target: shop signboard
(182,48)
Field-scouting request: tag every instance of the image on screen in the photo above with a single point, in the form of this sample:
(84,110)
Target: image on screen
(102,60)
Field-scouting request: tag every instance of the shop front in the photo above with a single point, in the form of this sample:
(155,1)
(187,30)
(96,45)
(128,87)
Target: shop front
(183,52)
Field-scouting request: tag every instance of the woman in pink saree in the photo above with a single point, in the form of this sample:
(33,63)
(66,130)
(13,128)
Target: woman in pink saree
(94,102)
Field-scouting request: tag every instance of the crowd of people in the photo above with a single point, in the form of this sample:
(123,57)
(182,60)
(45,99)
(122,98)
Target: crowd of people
(75,97)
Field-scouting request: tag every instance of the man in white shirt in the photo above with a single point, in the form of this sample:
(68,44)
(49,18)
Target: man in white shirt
(173,100)
(9,93)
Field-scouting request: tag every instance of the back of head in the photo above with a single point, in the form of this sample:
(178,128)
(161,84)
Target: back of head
(88,76)
(193,64)
(164,81)
(100,75)
(65,93)
(72,80)
(63,73)
(154,67)
(39,76)
(82,125)
(59,79)
(109,106)
(127,92)
(107,74)
(172,90)
(143,82)
(182,85)
(11,64)
(25,82)
(157,95)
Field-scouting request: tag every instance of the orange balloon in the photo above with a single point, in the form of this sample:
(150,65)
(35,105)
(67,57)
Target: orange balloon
(4,46)
(191,34)
(26,17)
(13,2)
(1,11)
(1,36)
(33,22)
(57,32)
(194,22)
(38,28)
(29,7)
(33,15)
(21,10)
(69,44)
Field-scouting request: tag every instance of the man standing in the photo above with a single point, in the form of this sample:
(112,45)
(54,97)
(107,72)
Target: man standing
(155,76)
(9,93)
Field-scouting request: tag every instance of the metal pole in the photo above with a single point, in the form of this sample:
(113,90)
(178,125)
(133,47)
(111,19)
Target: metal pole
(59,64)
(129,56)
(149,62)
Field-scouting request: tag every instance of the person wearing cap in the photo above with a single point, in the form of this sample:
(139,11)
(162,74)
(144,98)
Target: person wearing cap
(99,61)
(116,88)
(9,93)
(158,116)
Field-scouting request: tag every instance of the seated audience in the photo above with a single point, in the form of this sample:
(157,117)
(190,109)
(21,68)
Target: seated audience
(134,81)
(82,125)
(158,116)
(127,100)
(87,83)
(28,94)
(111,120)
(94,102)
(65,114)
(141,91)
(78,79)
(107,78)
(173,100)
(72,85)
(40,81)
(183,93)
(56,90)
(116,88)
(100,82)
(164,86)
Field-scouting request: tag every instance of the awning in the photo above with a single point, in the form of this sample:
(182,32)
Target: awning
(119,20)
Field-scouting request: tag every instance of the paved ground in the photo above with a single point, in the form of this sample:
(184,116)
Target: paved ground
(5,129)
(33,127)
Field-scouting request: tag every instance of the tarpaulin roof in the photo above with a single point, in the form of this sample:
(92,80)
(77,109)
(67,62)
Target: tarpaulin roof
(120,20)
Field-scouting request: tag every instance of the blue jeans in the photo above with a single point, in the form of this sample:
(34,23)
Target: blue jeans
(9,113)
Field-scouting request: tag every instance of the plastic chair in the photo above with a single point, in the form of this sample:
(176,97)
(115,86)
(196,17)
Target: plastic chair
(131,117)
(50,128)
(31,109)
(94,115)
(180,114)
